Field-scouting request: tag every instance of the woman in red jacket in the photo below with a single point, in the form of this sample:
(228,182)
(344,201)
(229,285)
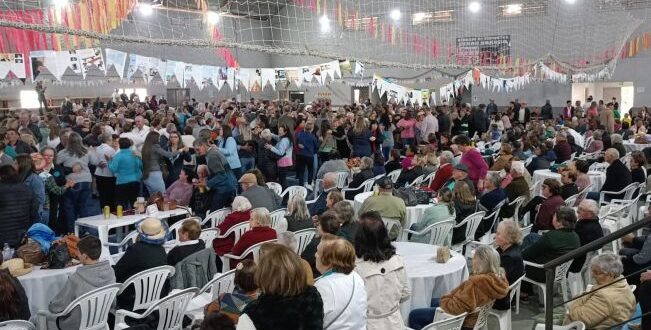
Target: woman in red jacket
(260,231)
(444,172)
(241,213)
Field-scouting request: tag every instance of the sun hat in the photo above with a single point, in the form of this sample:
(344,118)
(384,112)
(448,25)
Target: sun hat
(17,267)
(153,231)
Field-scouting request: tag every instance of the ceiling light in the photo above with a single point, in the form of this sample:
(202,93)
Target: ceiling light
(325,24)
(513,9)
(419,17)
(212,17)
(146,9)
(395,14)
(474,7)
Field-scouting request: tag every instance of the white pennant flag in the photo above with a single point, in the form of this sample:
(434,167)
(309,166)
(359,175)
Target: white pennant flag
(268,76)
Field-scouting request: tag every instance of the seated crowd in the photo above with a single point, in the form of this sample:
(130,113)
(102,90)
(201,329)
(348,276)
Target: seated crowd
(259,158)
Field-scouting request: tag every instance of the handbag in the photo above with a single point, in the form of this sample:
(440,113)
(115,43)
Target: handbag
(58,257)
(31,252)
(407,194)
(71,241)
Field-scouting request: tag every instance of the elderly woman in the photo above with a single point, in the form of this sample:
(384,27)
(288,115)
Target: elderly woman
(596,144)
(487,283)
(443,210)
(241,213)
(366,172)
(609,304)
(562,148)
(411,174)
(582,178)
(383,272)
(542,208)
(504,158)
(342,289)
(508,239)
(181,189)
(617,142)
(444,172)
(260,231)
(637,163)
(346,215)
(298,216)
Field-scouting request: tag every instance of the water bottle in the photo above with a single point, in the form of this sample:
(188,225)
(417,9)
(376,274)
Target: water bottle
(6,252)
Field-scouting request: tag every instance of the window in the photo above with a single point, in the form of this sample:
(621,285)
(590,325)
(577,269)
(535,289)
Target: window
(29,99)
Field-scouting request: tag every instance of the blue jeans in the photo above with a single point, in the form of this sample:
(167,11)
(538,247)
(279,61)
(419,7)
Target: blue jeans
(75,204)
(45,216)
(420,317)
(155,183)
(385,152)
(248,163)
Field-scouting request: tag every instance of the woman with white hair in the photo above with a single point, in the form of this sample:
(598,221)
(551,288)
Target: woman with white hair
(611,301)
(444,172)
(260,231)
(241,213)
(298,216)
(486,284)
(365,173)
(509,239)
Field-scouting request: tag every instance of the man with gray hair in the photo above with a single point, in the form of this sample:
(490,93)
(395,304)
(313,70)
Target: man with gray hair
(329,184)
(444,172)
(516,188)
(587,227)
(494,193)
(618,176)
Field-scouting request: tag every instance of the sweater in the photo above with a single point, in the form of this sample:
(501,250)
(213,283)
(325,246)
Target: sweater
(224,245)
(546,212)
(588,230)
(605,307)
(511,261)
(126,167)
(617,178)
(262,197)
(388,205)
(477,291)
(254,236)
(228,148)
(138,257)
(360,142)
(86,278)
(68,160)
(431,215)
(442,175)
(309,142)
(550,246)
(477,167)
(269,312)
(184,249)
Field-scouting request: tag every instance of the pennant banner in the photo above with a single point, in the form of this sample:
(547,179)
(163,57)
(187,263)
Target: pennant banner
(117,59)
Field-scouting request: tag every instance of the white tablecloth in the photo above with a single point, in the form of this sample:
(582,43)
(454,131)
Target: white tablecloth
(597,179)
(413,212)
(428,278)
(630,146)
(41,285)
(104,225)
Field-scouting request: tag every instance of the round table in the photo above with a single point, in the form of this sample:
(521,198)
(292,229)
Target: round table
(41,285)
(597,178)
(631,146)
(428,279)
(413,212)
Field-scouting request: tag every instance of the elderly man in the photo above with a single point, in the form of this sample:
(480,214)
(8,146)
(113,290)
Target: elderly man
(459,173)
(257,195)
(494,193)
(618,176)
(516,188)
(588,228)
(329,184)
(30,122)
(335,164)
(386,204)
(139,132)
(221,179)
(444,172)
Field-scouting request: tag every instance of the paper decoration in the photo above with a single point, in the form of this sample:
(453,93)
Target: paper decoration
(359,68)
(91,57)
(255,80)
(268,77)
(138,63)
(117,59)
(243,76)
(14,63)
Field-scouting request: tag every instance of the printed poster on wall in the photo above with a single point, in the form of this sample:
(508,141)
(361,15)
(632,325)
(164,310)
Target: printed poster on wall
(484,50)
(255,80)
(41,60)
(138,62)
(117,59)
(12,62)
(90,57)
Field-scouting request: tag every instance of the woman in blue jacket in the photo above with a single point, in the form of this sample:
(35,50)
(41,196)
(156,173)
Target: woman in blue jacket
(228,147)
(127,169)
(360,138)
(308,145)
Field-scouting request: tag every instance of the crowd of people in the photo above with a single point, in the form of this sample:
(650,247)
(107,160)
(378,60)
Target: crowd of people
(70,164)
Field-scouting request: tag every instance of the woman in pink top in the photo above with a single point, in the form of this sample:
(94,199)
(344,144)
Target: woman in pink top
(477,166)
(408,131)
(181,189)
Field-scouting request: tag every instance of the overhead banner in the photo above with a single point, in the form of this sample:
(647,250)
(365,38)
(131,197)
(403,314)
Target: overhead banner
(14,63)
(91,57)
(483,50)
(117,59)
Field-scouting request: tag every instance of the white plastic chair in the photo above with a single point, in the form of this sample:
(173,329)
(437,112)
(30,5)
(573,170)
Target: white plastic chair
(147,285)
(516,204)
(275,187)
(416,183)
(439,231)
(220,283)
(171,310)
(584,193)
(482,315)
(429,178)
(208,235)
(526,230)
(576,325)
(253,249)
(277,217)
(560,276)
(366,186)
(453,322)
(571,201)
(93,306)
(393,223)
(122,247)
(492,218)
(216,217)
(628,192)
(238,230)
(394,175)
(177,225)
(294,190)
(504,317)
(342,180)
(17,325)
(303,238)
(472,222)
(599,167)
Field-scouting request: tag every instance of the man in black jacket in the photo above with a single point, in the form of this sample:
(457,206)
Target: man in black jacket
(18,207)
(546,111)
(588,228)
(618,176)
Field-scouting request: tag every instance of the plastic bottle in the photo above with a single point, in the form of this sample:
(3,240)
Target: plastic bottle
(6,252)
